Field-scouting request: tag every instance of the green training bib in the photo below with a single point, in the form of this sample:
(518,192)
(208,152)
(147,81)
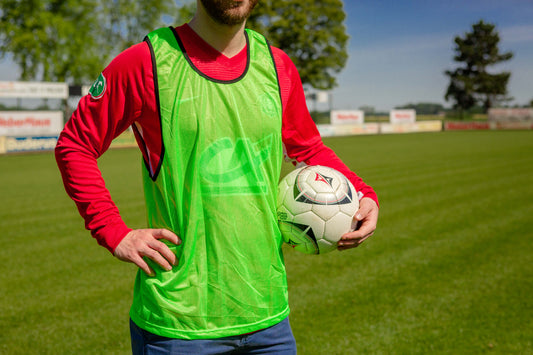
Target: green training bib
(216,188)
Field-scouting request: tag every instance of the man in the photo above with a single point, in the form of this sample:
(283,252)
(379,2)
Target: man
(214,108)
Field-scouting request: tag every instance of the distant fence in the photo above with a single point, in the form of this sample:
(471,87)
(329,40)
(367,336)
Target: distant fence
(330,130)
(26,131)
(348,122)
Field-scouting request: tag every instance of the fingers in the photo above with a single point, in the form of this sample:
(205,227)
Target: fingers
(168,235)
(353,240)
(145,243)
(143,265)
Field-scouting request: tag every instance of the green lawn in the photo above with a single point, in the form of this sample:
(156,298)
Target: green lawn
(448,271)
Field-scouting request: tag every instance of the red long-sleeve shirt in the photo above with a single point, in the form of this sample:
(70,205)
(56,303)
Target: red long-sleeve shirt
(129,99)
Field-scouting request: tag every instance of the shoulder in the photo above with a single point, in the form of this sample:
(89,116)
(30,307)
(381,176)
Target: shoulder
(282,59)
(130,72)
(287,72)
(131,59)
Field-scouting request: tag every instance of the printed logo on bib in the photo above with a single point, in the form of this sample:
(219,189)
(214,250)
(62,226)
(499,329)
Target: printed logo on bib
(99,86)
(235,168)
(268,105)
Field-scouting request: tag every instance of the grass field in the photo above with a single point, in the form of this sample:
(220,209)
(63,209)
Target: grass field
(448,271)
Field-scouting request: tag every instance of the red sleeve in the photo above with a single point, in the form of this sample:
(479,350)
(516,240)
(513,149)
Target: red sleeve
(301,139)
(88,134)
(129,99)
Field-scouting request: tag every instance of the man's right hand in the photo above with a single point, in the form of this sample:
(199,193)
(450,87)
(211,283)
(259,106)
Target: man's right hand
(145,242)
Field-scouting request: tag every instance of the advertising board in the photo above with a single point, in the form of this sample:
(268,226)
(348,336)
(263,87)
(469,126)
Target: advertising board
(25,90)
(422,126)
(524,114)
(29,144)
(520,125)
(30,123)
(402,116)
(462,126)
(347,130)
(347,117)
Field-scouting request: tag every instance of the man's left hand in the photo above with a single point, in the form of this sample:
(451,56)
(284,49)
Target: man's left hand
(367,219)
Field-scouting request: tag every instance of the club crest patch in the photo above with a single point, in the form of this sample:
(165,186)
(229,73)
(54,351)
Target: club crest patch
(99,87)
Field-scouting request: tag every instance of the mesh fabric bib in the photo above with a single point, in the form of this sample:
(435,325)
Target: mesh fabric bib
(216,188)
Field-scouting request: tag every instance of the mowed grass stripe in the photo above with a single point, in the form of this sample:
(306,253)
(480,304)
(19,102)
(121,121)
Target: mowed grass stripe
(421,284)
(61,293)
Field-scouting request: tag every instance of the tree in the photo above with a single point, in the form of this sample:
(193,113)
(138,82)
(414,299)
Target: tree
(37,35)
(71,40)
(472,82)
(312,33)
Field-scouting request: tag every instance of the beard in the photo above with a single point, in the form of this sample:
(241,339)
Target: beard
(229,12)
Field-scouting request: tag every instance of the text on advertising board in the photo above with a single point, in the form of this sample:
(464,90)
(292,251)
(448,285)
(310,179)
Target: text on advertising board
(30,123)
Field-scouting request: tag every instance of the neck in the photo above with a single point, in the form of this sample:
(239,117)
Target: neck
(228,40)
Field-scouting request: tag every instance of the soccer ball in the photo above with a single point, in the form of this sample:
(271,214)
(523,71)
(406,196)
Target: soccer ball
(316,205)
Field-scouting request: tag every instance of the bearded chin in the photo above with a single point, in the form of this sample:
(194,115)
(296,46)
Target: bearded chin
(220,11)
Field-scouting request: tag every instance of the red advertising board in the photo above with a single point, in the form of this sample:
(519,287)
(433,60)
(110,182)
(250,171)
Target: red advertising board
(462,126)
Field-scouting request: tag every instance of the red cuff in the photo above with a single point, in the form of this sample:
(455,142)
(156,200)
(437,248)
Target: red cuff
(111,235)
(372,195)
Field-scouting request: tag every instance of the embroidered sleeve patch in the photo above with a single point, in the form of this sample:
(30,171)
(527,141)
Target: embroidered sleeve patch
(98,88)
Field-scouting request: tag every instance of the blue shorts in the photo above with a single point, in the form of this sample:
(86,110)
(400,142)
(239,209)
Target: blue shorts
(277,339)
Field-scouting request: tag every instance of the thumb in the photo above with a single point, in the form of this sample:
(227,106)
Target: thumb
(365,207)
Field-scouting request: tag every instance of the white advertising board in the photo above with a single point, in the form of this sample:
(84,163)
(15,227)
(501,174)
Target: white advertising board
(347,117)
(402,116)
(85,89)
(329,130)
(322,97)
(24,90)
(423,126)
(510,114)
(30,123)
(29,144)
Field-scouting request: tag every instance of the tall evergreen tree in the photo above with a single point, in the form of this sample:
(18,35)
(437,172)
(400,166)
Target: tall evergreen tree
(472,83)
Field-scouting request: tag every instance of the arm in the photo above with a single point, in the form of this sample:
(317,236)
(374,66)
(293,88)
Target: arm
(303,145)
(86,136)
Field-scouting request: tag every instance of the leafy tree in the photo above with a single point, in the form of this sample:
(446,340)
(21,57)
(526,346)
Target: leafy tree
(71,40)
(472,82)
(312,33)
(126,22)
(38,34)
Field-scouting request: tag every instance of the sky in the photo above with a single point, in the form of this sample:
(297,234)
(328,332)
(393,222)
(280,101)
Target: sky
(399,50)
